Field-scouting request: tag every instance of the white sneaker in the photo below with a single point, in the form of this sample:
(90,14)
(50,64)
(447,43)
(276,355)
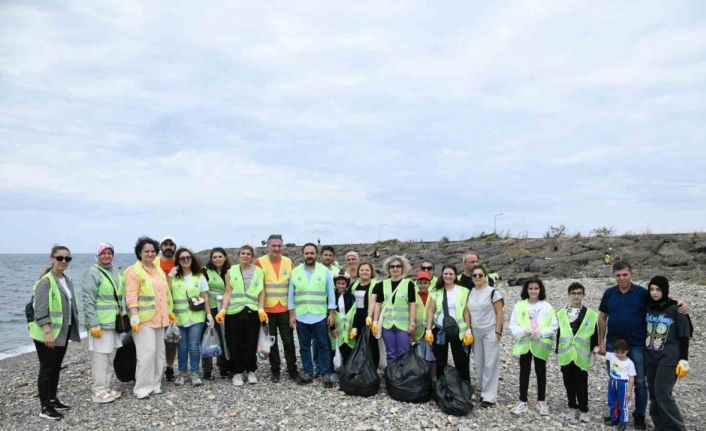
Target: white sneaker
(196,381)
(252,379)
(520,408)
(585,417)
(543,408)
(179,381)
(114,393)
(102,397)
(238,379)
(571,416)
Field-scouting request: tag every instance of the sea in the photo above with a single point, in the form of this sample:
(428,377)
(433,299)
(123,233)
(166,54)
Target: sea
(18,273)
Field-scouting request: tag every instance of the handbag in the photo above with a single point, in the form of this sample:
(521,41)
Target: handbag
(449,323)
(197,303)
(381,317)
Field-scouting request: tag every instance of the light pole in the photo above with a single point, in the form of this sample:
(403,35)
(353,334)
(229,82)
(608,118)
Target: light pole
(495,222)
(380,231)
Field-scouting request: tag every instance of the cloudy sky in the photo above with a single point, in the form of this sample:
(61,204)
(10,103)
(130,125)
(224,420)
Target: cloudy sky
(220,122)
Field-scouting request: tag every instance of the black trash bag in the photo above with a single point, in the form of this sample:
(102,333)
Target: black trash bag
(125,360)
(360,376)
(452,393)
(408,378)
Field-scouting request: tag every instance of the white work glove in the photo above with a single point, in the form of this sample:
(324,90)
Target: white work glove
(209,319)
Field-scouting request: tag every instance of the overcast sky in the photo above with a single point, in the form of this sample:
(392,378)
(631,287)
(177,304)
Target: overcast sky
(221,122)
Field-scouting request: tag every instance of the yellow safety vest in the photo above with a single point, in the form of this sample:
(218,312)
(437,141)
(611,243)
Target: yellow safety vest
(182,290)
(276,285)
(56,313)
(145,299)
(216,286)
(541,348)
(310,293)
(576,347)
(241,298)
(461,301)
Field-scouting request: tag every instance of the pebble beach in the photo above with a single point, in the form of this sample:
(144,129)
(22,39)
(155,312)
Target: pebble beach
(287,406)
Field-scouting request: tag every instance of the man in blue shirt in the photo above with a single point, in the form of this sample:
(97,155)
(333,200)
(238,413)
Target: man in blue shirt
(311,302)
(622,311)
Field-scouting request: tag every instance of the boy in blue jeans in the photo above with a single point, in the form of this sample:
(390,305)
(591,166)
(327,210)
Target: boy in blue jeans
(620,383)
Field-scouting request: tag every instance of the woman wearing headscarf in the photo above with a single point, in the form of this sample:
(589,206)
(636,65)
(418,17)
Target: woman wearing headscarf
(55,323)
(668,334)
(150,303)
(102,292)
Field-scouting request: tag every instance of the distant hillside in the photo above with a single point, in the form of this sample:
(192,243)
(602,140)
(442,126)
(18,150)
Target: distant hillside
(679,256)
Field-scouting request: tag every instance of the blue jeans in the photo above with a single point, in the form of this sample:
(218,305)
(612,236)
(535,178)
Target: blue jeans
(318,334)
(637,356)
(190,347)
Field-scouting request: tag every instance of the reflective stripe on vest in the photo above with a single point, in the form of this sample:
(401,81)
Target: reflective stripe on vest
(182,290)
(216,286)
(343,323)
(106,306)
(145,298)
(276,288)
(56,314)
(461,301)
(397,313)
(310,294)
(541,348)
(241,298)
(576,348)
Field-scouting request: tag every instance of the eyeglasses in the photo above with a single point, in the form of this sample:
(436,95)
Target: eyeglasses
(184,258)
(427,268)
(395,266)
(576,293)
(478,275)
(63,258)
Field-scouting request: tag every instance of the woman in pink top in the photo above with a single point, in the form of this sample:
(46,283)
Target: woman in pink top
(149,300)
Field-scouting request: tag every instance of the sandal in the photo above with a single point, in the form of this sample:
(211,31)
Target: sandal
(102,397)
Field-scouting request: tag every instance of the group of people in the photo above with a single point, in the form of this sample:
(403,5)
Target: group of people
(645,333)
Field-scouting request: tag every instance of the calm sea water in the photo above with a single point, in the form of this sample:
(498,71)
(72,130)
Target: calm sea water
(18,272)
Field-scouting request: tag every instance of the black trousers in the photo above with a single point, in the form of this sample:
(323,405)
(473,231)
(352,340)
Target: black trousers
(663,407)
(441,352)
(221,361)
(242,331)
(279,322)
(540,369)
(49,368)
(576,385)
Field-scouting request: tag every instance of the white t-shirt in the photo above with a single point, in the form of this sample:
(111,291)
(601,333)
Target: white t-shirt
(204,283)
(341,305)
(481,308)
(573,313)
(452,298)
(67,292)
(620,370)
(360,298)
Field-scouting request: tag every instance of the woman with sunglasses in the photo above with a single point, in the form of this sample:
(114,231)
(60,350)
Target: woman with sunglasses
(190,292)
(243,312)
(428,267)
(102,292)
(216,272)
(399,297)
(486,306)
(456,298)
(55,323)
(150,303)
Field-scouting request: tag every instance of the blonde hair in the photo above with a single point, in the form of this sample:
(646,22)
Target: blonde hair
(406,267)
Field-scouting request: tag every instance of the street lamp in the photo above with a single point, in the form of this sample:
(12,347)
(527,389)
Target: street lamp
(495,222)
(380,231)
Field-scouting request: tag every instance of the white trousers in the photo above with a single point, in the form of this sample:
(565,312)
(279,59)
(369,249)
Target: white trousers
(486,355)
(149,344)
(102,370)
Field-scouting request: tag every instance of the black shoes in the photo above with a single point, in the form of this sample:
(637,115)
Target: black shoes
(207,375)
(274,378)
(303,379)
(486,404)
(224,374)
(169,374)
(49,412)
(640,423)
(58,405)
(328,383)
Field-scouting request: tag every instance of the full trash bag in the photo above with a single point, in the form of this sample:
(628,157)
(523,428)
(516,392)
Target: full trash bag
(408,378)
(210,347)
(452,393)
(359,376)
(125,360)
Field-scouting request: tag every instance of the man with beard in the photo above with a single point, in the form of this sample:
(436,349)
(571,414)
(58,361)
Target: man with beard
(328,259)
(277,270)
(312,304)
(167,261)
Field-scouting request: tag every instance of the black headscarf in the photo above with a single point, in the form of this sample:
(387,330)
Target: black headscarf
(663,284)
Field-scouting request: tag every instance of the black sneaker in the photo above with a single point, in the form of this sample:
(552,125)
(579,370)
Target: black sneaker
(169,374)
(224,374)
(274,378)
(49,412)
(303,379)
(640,423)
(327,381)
(207,375)
(58,405)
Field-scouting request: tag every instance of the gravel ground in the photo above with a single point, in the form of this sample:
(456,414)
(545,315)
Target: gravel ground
(287,406)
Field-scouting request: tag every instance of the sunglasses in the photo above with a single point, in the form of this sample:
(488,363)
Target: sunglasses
(63,258)
(395,266)
(184,258)
(427,268)
(476,275)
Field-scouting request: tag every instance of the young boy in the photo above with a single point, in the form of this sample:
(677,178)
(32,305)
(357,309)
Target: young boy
(620,383)
(345,311)
(423,349)
(576,338)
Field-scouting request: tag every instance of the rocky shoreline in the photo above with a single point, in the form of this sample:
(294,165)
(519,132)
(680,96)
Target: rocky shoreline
(287,406)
